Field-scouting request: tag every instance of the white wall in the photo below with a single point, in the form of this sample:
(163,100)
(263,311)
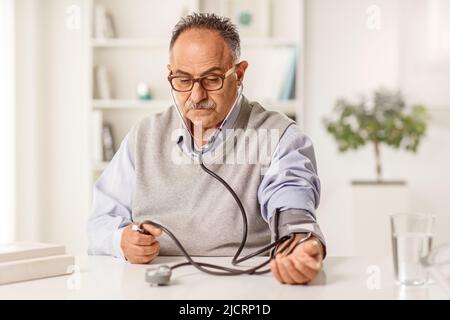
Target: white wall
(425,48)
(53,184)
(28,104)
(344,58)
(7,121)
(66,196)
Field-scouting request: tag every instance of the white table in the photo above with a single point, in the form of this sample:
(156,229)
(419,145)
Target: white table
(109,278)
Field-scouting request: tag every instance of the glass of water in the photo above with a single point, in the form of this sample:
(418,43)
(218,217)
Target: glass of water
(411,241)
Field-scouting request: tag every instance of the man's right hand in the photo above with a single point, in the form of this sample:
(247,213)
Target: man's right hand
(139,247)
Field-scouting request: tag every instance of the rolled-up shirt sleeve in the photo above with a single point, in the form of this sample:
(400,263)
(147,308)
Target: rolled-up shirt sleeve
(111,205)
(291,187)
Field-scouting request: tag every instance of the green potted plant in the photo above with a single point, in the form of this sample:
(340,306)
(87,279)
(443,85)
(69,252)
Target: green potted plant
(386,120)
(383,120)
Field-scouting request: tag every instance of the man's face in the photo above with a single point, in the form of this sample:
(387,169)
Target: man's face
(197,53)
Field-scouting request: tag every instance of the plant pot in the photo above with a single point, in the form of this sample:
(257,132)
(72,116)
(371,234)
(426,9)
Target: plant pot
(373,203)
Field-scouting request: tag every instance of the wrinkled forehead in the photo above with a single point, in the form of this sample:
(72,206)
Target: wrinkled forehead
(197,50)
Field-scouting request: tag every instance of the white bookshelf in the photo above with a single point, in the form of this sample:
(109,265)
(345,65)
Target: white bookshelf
(139,52)
(152,106)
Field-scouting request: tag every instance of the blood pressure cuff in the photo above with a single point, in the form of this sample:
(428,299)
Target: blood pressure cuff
(292,221)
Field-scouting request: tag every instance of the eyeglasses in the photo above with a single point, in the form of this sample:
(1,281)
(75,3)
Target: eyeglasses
(210,82)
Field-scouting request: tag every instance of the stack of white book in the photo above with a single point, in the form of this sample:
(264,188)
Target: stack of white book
(23,261)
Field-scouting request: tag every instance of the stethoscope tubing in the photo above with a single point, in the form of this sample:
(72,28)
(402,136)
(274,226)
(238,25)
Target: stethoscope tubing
(225,271)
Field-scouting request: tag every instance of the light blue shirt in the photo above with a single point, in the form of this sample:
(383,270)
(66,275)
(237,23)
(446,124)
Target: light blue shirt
(296,185)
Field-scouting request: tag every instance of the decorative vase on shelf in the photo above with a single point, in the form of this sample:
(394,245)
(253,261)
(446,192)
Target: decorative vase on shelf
(143,91)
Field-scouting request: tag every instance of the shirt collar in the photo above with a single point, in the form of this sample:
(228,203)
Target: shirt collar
(183,136)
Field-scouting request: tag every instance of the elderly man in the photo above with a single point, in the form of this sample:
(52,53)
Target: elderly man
(147,181)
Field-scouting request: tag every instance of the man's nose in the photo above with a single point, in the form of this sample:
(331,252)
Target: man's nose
(198,93)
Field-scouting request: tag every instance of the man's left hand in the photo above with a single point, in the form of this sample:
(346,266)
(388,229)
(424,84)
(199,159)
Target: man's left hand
(302,265)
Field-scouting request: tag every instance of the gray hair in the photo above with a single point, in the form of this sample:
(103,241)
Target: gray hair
(210,21)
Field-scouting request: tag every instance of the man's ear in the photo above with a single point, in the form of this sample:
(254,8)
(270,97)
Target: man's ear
(240,71)
(169,68)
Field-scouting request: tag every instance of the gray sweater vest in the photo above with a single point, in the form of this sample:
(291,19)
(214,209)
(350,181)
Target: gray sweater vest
(200,212)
